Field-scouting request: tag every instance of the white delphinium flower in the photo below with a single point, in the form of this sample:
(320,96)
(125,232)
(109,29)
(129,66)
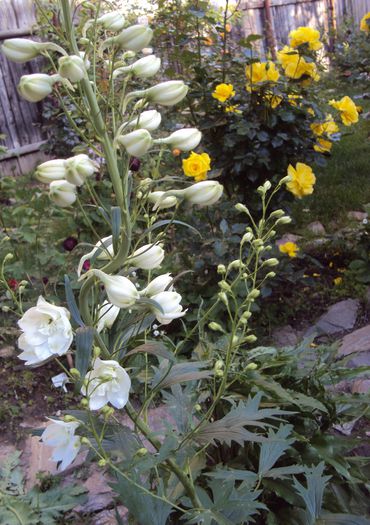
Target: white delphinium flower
(106,383)
(134,38)
(46,332)
(62,193)
(155,197)
(35,87)
(203,193)
(145,67)
(51,170)
(147,257)
(159,284)
(72,67)
(78,168)
(136,143)
(107,313)
(170,303)
(105,249)
(60,435)
(120,291)
(149,120)
(167,93)
(185,139)
(113,21)
(21,50)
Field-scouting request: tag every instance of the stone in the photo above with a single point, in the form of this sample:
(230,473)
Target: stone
(357,215)
(108,517)
(358,341)
(5,451)
(285,336)
(338,318)
(361,386)
(7,351)
(100,495)
(316,228)
(359,359)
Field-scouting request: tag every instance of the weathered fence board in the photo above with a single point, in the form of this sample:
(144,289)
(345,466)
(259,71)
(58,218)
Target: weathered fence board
(19,120)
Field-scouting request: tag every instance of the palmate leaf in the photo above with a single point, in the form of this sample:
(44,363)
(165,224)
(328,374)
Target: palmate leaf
(231,427)
(14,511)
(56,501)
(180,373)
(313,494)
(145,508)
(11,476)
(180,403)
(154,348)
(275,446)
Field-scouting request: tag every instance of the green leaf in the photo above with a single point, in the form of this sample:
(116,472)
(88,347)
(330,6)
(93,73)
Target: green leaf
(14,511)
(342,519)
(275,446)
(154,348)
(313,494)
(180,373)
(116,223)
(84,343)
(56,501)
(71,301)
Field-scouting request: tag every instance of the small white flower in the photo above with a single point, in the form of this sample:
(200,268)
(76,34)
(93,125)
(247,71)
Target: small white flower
(185,139)
(136,143)
(21,50)
(158,285)
(167,93)
(156,333)
(120,291)
(203,193)
(60,435)
(51,170)
(149,120)
(147,257)
(134,38)
(78,168)
(155,197)
(170,303)
(46,332)
(35,87)
(107,315)
(113,21)
(72,67)
(106,383)
(62,193)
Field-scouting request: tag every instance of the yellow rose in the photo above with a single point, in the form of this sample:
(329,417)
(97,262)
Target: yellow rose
(290,248)
(347,109)
(296,66)
(197,166)
(305,35)
(261,72)
(323,145)
(223,92)
(337,281)
(364,24)
(302,180)
(328,127)
(317,128)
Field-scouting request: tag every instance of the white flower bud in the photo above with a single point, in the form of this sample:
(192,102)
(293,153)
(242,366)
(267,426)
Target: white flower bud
(250,339)
(167,93)
(78,168)
(223,297)
(246,315)
(120,291)
(241,207)
(284,220)
(221,269)
(136,143)
(203,193)
(35,87)
(185,139)
(21,50)
(72,67)
(285,179)
(277,214)
(149,120)
(251,366)
(224,286)
(147,50)
(113,21)
(247,237)
(134,38)
(107,315)
(236,264)
(271,262)
(159,284)
(155,197)
(147,257)
(215,327)
(51,170)
(62,193)
(146,67)
(270,275)
(253,295)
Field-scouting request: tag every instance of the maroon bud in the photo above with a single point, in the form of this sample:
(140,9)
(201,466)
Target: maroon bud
(13,284)
(134,164)
(69,243)
(45,280)
(86,265)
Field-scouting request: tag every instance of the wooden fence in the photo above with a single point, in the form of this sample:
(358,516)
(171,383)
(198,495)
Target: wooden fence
(285,15)
(19,120)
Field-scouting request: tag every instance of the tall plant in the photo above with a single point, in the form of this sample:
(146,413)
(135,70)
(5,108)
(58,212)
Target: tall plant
(175,475)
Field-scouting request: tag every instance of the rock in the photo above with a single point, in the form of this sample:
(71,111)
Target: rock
(316,227)
(108,517)
(339,318)
(361,386)
(360,359)
(285,336)
(100,495)
(357,215)
(7,351)
(5,451)
(367,298)
(357,341)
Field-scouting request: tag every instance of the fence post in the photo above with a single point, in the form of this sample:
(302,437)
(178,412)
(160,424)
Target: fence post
(269,28)
(332,22)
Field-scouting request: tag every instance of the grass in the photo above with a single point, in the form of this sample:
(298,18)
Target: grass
(343,185)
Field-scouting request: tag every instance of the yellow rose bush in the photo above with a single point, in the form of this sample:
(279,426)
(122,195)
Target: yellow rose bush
(197,166)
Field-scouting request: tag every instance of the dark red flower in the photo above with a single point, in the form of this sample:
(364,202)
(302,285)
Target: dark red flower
(134,164)
(13,284)
(86,265)
(45,280)
(69,243)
